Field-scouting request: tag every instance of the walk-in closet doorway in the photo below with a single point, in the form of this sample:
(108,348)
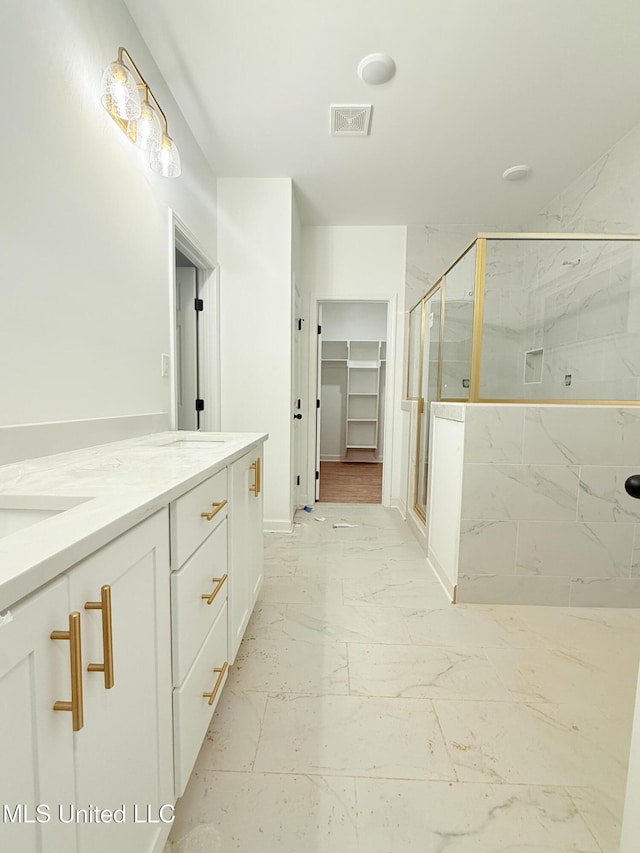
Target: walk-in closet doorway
(352,395)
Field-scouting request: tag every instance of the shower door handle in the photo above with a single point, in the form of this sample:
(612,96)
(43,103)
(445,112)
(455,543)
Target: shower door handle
(632,485)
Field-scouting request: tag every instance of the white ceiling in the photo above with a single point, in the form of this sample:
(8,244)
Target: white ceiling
(480,86)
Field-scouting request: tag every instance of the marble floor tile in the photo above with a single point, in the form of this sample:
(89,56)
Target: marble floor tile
(413,592)
(353,736)
(602,813)
(367,714)
(264,812)
(536,744)
(300,590)
(558,676)
(426,672)
(232,739)
(323,623)
(292,666)
(432,817)
(469,625)
(364,568)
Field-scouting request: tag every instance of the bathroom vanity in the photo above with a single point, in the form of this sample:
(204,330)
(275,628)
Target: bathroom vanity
(128,573)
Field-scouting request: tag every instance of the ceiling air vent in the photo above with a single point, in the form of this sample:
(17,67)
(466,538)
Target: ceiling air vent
(350,119)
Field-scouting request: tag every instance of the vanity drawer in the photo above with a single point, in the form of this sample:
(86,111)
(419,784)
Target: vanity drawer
(189,526)
(192,711)
(204,573)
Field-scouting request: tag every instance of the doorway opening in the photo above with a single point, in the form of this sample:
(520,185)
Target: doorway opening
(352,389)
(195,342)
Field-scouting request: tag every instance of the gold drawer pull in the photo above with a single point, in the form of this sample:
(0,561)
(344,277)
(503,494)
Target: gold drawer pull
(218,585)
(212,696)
(76,705)
(257,483)
(107,636)
(218,506)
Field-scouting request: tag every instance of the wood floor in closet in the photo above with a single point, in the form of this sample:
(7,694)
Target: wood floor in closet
(351,482)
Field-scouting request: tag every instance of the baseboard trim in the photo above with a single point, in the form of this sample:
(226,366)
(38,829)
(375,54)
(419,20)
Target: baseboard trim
(277,526)
(29,441)
(400,505)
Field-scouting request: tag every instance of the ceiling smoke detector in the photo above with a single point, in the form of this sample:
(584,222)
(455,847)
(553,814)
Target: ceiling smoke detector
(376,68)
(350,119)
(516,173)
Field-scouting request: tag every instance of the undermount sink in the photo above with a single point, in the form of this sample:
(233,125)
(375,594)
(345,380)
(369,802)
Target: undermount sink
(20,511)
(192,440)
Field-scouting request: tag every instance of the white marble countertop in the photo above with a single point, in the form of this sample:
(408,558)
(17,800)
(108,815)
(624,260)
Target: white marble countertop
(122,483)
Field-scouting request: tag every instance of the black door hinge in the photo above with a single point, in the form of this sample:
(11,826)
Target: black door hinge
(198,304)
(317,404)
(319,330)
(300,322)
(298,480)
(298,404)
(317,475)
(199,405)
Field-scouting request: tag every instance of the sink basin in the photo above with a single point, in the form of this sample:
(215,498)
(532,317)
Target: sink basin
(20,511)
(191,442)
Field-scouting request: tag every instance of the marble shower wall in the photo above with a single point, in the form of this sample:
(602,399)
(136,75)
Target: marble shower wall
(571,306)
(545,518)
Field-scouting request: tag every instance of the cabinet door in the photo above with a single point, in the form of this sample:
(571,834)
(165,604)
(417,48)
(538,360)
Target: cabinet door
(36,742)
(124,753)
(245,544)
(239,594)
(255,529)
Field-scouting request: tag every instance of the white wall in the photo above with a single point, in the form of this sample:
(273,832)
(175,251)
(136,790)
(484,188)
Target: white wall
(357,321)
(84,304)
(368,263)
(255,252)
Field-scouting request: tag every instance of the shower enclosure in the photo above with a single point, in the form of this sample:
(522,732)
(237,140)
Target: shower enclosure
(520,326)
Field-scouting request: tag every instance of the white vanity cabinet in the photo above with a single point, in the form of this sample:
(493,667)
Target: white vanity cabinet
(110,672)
(36,744)
(246,560)
(110,748)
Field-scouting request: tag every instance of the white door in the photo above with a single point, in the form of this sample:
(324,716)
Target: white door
(36,742)
(299,413)
(319,400)
(186,347)
(124,754)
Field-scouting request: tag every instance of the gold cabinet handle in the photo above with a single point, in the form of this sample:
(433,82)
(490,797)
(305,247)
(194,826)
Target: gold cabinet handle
(212,696)
(76,705)
(257,483)
(218,586)
(218,506)
(107,636)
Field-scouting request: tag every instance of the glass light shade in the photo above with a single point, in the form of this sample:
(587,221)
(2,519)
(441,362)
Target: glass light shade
(165,159)
(120,95)
(145,131)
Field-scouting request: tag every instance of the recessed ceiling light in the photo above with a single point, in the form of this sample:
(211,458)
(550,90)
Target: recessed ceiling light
(516,173)
(376,68)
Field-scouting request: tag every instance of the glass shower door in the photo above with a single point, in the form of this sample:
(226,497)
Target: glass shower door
(429,384)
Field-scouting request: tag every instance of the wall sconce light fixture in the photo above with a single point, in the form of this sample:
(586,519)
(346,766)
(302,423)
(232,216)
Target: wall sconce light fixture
(127,98)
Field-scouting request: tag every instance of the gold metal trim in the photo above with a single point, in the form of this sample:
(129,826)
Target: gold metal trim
(257,482)
(218,507)
(478,312)
(76,705)
(539,402)
(212,696)
(107,636)
(554,235)
(218,586)
(443,291)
